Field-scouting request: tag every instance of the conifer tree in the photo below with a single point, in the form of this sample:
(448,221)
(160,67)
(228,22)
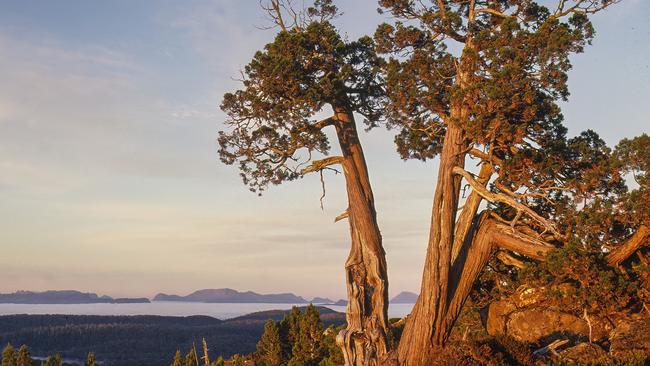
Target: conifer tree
(9,356)
(269,348)
(290,331)
(178,359)
(191,358)
(273,135)
(237,360)
(332,355)
(218,362)
(90,360)
(55,360)
(206,355)
(24,358)
(495,101)
(307,349)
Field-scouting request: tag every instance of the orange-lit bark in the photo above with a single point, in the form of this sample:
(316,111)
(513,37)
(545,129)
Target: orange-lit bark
(364,340)
(622,252)
(423,332)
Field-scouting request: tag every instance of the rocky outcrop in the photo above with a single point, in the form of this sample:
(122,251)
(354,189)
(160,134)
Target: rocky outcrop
(583,353)
(525,318)
(631,336)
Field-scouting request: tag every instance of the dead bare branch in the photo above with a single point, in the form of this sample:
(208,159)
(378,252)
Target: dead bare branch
(502,198)
(342,216)
(319,165)
(509,260)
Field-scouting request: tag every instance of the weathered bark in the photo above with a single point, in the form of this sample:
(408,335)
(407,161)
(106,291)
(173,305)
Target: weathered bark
(364,340)
(424,330)
(509,260)
(483,239)
(459,249)
(470,208)
(622,252)
(486,236)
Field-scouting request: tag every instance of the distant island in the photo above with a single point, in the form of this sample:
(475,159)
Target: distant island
(404,297)
(64,297)
(221,295)
(227,295)
(340,303)
(321,300)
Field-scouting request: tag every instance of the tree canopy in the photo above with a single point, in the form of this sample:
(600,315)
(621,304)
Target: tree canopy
(274,132)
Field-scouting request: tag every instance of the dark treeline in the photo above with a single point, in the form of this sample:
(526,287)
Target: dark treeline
(150,340)
(23,357)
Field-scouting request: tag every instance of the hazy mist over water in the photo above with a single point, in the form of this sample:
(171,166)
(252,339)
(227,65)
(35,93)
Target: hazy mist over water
(170,308)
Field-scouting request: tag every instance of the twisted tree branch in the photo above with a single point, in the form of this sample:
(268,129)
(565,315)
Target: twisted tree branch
(502,198)
(622,252)
(318,165)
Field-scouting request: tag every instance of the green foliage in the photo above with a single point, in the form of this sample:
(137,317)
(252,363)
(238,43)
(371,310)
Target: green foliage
(595,286)
(502,89)
(513,72)
(601,212)
(290,331)
(269,348)
(8,355)
(191,359)
(332,352)
(236,360)
(632,358)
(633,158)
(307,349)
(90,360)
(218,362)
(53,361)
(21,358)
(298,339)
(272,130)
(178,359)
(24,358)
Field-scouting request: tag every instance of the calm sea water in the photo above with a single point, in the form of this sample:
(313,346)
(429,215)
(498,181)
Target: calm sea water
(168,308)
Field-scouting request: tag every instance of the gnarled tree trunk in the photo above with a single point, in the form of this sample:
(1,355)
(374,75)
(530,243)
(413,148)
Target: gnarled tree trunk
(622,252)
(483,239)
(459,248)
(424,330)
(364,340)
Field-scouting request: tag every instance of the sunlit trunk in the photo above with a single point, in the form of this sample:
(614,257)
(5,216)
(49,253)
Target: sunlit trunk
(364,340)
(424,331)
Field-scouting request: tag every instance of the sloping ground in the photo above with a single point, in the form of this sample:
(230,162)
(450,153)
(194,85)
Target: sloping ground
(138,340)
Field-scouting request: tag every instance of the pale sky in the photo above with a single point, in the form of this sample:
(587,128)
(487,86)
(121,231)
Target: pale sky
(109,176)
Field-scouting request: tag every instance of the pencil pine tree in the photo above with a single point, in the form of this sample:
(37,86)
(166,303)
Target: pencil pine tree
(9,356)
(178,359)
(24,358)
(269,348)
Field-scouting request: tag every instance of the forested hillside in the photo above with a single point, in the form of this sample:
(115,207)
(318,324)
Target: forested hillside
(138,340)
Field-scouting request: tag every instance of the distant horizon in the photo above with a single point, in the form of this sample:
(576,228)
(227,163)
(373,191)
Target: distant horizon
(334,298)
